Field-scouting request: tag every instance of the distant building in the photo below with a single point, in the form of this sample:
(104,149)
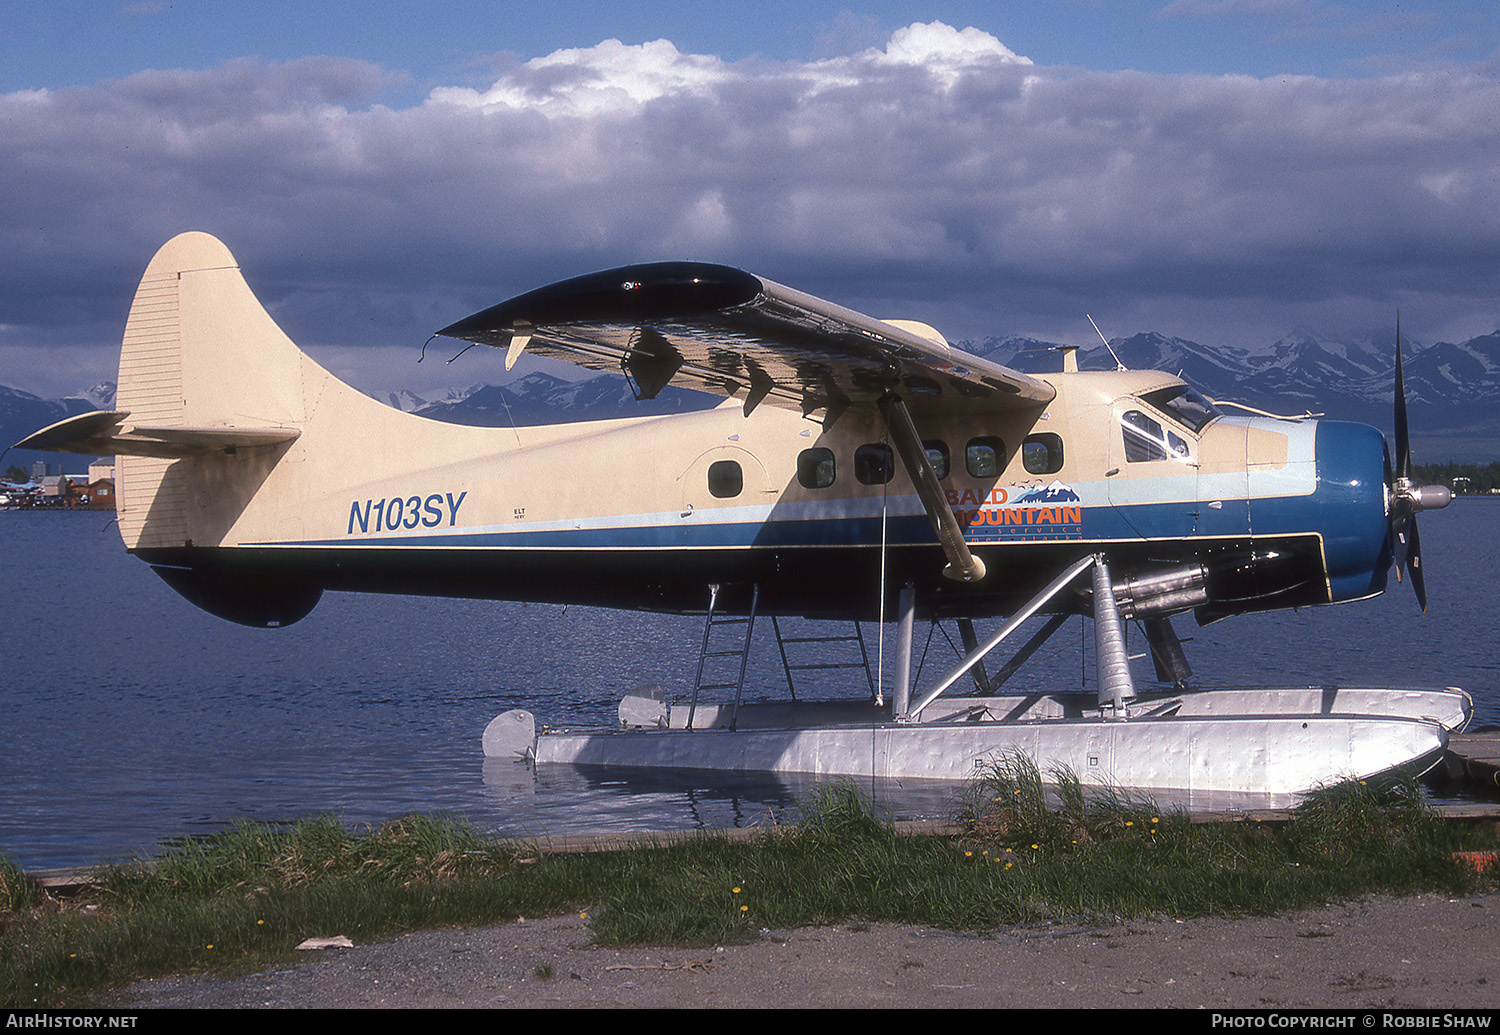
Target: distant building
(76,490)
(103,467)
(102,494)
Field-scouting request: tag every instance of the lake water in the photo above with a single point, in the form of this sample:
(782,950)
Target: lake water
(131,717)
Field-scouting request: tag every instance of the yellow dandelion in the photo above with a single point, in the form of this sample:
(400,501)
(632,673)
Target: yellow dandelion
(968,855)
(735,890)
(1036,846)
(1130,822)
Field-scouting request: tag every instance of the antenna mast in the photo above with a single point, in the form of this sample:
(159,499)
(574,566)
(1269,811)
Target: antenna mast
(1118,364)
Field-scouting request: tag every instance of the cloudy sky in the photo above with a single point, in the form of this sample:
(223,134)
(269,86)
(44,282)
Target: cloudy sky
(1225,170)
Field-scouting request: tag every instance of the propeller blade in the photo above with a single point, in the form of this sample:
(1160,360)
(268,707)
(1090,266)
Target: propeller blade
(1414,553)
(1402,519)
(1403,442)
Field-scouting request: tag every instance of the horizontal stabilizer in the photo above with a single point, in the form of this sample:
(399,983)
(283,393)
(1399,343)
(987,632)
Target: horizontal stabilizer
(106,432)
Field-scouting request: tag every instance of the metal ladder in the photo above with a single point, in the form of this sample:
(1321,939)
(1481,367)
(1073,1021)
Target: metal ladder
(858,639)
(711,651)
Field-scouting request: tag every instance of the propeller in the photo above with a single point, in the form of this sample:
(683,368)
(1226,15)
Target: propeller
(1405,498)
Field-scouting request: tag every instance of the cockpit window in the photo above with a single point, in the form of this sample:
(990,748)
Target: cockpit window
(1185,404)
(1146,439)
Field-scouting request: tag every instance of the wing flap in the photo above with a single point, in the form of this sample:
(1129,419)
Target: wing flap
(106,432)
(725,331)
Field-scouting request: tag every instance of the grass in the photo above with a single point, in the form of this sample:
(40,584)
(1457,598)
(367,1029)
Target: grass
(1031,849)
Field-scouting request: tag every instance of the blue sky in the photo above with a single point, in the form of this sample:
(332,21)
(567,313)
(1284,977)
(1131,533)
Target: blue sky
(1228,170)
(55,44)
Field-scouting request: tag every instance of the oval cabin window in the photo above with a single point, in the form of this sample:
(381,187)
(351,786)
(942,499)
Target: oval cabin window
(1042,453)
(725,479)
(874,464)
(984,457)
(815,468)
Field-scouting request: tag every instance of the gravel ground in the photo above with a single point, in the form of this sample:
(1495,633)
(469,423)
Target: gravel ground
(1424,952)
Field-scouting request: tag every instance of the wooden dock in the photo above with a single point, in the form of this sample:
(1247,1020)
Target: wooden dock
(1477,756)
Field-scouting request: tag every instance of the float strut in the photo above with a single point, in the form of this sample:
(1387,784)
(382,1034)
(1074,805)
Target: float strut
(1115,685)
(907,603)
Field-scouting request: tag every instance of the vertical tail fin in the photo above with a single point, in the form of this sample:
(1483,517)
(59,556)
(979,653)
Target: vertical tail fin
(200,355)
(235,450)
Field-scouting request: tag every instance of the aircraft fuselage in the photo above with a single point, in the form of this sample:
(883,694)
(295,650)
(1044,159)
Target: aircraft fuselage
(645,513)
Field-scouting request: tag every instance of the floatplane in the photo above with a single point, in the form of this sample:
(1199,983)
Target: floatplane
(857,470)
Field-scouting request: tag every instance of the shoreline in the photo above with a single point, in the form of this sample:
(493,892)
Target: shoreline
(1422,952)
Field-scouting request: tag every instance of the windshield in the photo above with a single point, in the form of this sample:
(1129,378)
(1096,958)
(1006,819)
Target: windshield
(1185,404)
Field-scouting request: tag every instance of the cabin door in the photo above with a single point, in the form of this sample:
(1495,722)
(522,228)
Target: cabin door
(720,483)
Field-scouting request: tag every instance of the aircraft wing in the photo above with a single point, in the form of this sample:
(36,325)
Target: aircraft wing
(725,331)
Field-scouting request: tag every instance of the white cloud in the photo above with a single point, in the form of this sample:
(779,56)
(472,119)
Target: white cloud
(942,177)
(939,46)
(607,78)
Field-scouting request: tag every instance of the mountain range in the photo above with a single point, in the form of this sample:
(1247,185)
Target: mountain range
(1452,388)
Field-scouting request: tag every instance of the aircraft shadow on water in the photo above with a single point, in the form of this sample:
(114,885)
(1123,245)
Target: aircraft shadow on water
(858,469)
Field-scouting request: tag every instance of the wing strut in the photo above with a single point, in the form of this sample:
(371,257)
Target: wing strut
(963,566)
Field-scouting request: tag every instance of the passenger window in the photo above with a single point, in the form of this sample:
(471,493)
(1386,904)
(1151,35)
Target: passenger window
(815,468)
(725,479)
(1146,439)
(874,464)
(984,457)
(937,456)
(1042,454)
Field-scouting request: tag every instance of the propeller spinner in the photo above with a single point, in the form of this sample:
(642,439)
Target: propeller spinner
(1404,498)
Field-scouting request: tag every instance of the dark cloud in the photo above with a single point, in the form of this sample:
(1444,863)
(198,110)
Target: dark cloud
(940,177)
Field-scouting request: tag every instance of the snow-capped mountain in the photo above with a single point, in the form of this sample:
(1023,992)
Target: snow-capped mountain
(540,398)
(99,397)
(404,400)
(21,413)
(1452,387)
